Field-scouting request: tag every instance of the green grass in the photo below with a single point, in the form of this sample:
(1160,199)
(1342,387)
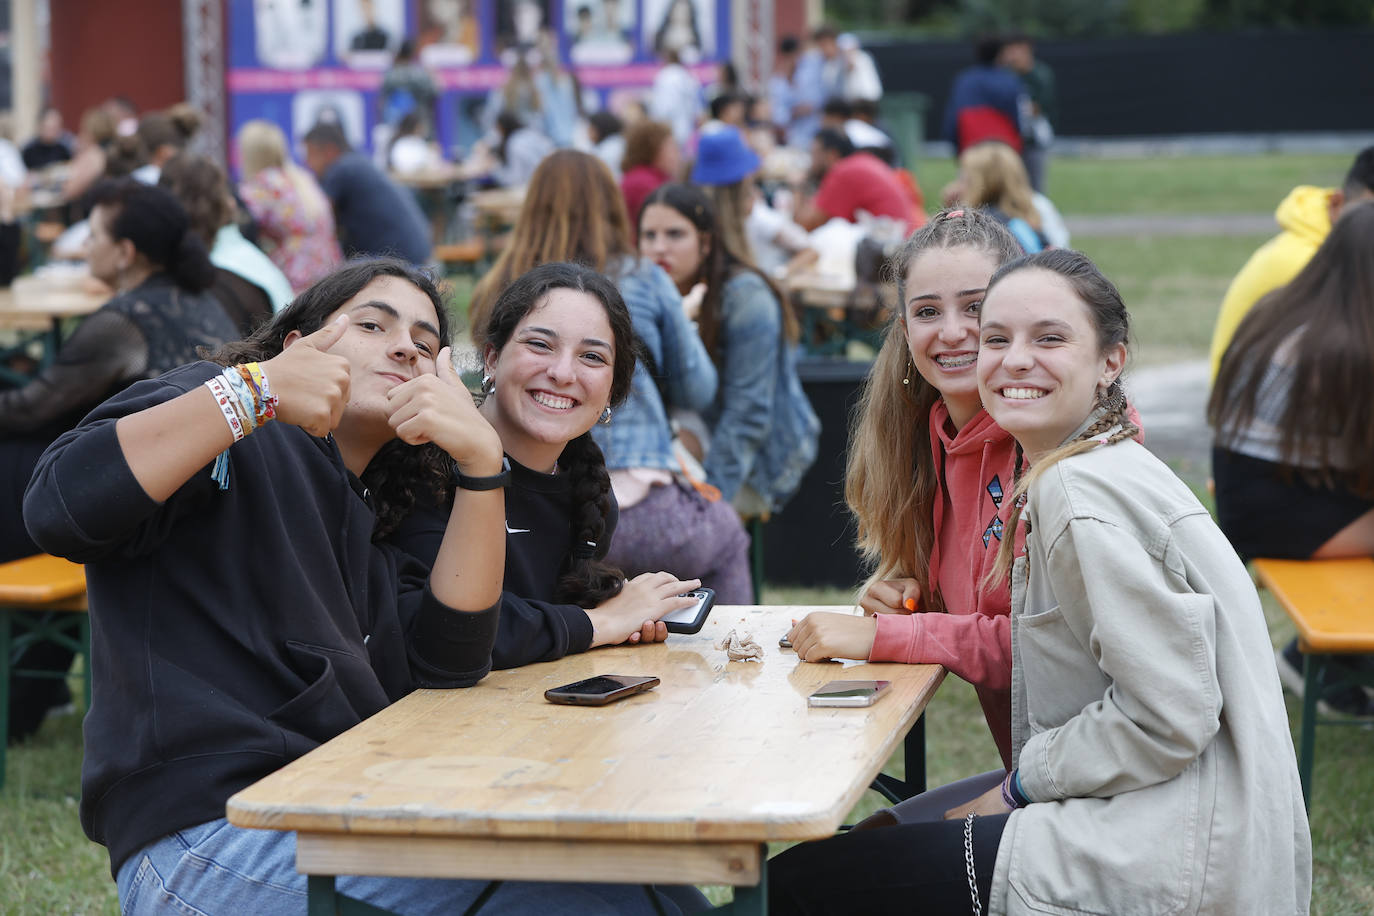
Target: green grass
(46,864)
(1173,286)
(1184,185)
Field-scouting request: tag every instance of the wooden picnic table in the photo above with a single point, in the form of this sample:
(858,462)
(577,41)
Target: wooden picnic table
(48,298)
(40,303)
(684,784)
(830,317)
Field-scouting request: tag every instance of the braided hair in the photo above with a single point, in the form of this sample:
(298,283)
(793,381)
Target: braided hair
(584,580)
(1110,320)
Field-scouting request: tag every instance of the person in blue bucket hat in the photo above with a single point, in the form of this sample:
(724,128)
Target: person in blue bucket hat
(723,158)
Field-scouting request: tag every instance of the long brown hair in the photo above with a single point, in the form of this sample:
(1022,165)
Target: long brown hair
(890,476)
(1112,323)
(723,260)
(1326,315)
(573,211)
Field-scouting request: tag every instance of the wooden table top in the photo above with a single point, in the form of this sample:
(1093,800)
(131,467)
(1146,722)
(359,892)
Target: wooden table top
(720,752)
(36,297)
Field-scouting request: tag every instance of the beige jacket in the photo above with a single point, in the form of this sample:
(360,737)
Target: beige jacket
(1147,721)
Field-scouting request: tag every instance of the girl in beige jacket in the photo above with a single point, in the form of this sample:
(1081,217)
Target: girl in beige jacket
(1154,768)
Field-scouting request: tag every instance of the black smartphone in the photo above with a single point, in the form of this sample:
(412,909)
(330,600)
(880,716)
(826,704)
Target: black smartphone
(600,690)
(691,619)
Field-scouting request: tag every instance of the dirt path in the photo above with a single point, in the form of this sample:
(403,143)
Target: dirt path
(1172,401)
(1173,224)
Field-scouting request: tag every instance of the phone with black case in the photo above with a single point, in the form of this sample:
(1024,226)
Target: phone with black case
(691,619)
(600,690)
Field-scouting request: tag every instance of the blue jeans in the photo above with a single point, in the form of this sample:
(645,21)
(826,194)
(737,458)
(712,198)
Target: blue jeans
(217,868)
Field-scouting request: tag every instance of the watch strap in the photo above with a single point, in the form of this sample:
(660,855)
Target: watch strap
(491,482)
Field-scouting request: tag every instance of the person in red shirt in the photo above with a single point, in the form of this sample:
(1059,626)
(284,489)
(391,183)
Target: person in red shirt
(850,181)
(652,158)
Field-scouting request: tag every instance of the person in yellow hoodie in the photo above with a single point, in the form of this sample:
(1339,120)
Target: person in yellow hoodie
(1305,216)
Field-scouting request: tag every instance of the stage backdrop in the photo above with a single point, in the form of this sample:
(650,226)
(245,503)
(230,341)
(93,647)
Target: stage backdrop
(297,61)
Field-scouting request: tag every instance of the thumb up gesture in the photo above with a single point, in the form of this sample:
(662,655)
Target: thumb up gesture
(310,383)
(439,408)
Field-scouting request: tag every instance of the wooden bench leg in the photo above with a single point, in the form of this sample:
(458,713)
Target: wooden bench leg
(1312,667)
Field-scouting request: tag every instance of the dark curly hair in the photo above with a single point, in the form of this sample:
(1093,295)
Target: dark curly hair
(583,580)
(399,475)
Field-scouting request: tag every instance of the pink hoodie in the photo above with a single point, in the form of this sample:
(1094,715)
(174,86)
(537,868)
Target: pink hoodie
(973,639)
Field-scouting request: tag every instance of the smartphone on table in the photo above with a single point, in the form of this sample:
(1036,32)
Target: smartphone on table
(847,693)
(600,690)
(691,619)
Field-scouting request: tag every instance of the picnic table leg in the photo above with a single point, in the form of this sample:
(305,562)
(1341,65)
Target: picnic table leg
(323,899)
(914,752)
(1312,666)
(4,690)
(321,896)
(753,899)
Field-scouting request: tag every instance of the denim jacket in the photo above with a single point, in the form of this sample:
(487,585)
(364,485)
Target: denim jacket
(763,430)
(1147,719)
(638,435)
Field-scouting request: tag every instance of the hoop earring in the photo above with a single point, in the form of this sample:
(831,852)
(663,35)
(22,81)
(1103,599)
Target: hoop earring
(1113,397)
(488,384)
(605,415)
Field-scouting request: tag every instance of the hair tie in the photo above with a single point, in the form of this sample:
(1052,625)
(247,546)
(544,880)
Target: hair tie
(584,551)
(953,214)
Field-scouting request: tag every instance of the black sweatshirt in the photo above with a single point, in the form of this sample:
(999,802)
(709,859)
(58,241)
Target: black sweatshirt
(533,627)
(231,630)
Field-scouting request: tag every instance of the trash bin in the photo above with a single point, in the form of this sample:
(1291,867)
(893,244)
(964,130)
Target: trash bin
(904,116)
(811,541)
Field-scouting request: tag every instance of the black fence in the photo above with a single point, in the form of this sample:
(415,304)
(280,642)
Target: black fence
(1239,82)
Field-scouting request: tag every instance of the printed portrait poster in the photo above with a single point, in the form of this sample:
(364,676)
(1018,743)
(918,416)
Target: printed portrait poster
(450,34)
(599,32)
(343,107)
(367,32)
(518,22)
(290,34)
(685,26)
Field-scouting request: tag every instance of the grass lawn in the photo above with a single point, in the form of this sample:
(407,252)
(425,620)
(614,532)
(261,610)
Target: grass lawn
(1173,286)
(1182,184)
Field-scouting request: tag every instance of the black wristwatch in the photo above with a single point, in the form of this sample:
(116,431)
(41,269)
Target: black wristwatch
(493,482)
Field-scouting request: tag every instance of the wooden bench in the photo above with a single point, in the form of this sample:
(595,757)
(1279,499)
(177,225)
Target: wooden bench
(32,589)
(1332,604)
(467,256)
